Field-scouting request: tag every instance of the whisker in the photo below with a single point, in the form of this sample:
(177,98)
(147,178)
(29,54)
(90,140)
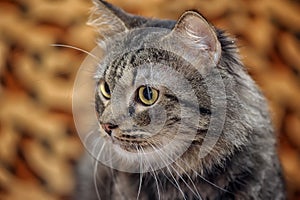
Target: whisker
(203,178)
(87,137)
(196,190)
(209,182)
(196,193)
(141,175)
(95,180)
(95,172)
(154,175)
(113,173)
(165,174)
(176,182)
(76,48)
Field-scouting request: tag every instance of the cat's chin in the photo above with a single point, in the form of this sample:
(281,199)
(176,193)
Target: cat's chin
(139,155)
(134,158)
(133,143)
(130,145)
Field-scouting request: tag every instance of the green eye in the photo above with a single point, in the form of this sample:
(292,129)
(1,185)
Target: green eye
(104,89)
(147,95)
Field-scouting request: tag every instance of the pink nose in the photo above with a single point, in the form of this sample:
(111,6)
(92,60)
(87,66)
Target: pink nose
(108,127)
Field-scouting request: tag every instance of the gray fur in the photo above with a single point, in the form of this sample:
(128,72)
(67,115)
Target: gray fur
(242,164)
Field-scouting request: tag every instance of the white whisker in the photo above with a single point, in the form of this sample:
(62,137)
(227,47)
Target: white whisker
(178,186)
(113,174)
(95,180)
(141,175)
(95,171)
(154,176)
(196,190)
(176,182)
(86,138)
(209,182)
(200,176)
(76,48)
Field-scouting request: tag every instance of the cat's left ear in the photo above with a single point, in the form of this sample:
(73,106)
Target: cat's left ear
(108,19)
(198,35)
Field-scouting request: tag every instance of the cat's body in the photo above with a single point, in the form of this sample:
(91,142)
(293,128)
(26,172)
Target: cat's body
(242,163)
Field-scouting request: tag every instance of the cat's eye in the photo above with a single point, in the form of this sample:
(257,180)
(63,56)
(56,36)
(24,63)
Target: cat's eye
(104,89)
(147,95)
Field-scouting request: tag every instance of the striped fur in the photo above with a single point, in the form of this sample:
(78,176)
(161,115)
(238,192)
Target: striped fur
(241,165)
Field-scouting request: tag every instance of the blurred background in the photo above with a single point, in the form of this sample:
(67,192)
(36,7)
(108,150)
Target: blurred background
(38,142)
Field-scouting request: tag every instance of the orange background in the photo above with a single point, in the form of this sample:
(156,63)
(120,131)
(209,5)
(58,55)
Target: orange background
(38,141)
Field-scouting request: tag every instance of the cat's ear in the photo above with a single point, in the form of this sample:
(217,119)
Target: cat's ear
(198,35)
(108,19)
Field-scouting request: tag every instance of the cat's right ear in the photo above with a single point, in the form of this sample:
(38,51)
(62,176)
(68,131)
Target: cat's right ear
(107,19)
(197,35)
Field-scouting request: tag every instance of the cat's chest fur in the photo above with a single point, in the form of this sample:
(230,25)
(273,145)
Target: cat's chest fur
(159,187)
(234,180)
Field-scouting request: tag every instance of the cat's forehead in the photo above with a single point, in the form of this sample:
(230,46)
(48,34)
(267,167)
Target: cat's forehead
(141,66)
(128,48)
(145,45)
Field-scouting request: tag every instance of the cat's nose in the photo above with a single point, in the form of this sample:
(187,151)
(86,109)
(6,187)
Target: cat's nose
(108,127)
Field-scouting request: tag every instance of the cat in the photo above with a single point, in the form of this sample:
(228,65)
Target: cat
(178,117)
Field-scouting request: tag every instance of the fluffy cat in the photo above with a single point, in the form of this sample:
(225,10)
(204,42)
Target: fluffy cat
(178,115)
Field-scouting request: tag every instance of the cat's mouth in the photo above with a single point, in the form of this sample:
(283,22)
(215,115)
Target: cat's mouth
(138,138)
(132,142)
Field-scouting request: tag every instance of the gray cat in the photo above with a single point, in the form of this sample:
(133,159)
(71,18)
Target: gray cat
(178,115)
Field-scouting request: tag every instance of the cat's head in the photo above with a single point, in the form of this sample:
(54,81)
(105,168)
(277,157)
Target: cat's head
(158,91)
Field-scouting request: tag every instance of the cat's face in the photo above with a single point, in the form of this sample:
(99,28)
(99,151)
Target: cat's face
(148,93)
(140,106)
(154,95)
(146,105)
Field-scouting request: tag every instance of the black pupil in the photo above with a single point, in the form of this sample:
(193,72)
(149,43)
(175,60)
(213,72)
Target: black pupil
(106,88)
(147,93)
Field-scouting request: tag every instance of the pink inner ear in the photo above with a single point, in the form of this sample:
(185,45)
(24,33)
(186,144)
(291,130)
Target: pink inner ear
(198,31)
(198,39)
(198,34)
